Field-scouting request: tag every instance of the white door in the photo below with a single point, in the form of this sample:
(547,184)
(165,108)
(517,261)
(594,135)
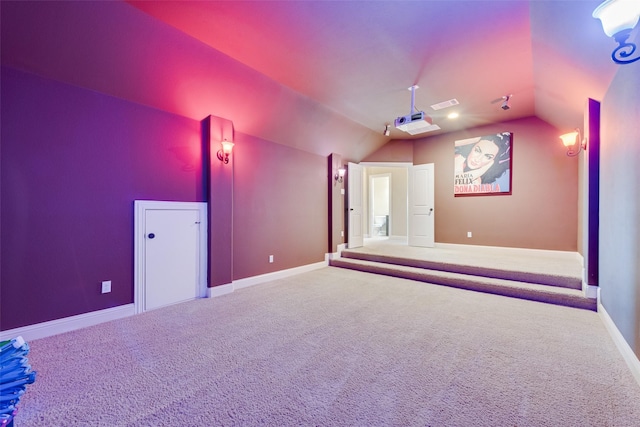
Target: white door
(354,204)
(421,213)
(170,239)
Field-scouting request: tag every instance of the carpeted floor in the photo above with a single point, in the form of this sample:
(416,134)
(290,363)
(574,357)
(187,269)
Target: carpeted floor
(559,263)
(336,347)
(553,277)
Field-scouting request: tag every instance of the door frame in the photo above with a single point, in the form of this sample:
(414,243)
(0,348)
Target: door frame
(354,209)
(404,165)
(139,263)
(370,202)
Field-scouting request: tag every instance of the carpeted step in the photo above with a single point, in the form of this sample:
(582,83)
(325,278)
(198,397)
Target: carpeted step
(519,276)
(510,288)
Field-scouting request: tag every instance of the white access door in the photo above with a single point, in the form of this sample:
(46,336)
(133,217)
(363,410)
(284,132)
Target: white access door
(421,212)
(169,245)
(354,206)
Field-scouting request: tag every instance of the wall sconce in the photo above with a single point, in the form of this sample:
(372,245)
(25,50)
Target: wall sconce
(571,140)
(339,176)
(618,18)
(225,151)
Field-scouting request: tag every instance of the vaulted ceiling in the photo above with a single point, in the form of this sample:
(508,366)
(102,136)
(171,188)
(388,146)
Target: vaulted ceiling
(324,76)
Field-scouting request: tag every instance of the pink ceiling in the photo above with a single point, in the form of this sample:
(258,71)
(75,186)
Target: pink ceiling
(324,76)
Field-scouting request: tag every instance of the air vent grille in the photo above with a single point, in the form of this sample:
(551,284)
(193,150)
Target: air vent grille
(445,104)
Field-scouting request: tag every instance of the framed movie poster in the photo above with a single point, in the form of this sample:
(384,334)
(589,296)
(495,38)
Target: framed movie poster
(482,165)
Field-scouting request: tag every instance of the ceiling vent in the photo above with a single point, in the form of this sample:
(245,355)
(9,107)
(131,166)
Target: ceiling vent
(445,104)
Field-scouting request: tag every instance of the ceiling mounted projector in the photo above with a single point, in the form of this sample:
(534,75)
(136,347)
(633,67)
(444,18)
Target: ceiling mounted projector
(416,122)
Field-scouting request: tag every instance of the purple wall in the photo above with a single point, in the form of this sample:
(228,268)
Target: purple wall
(279,207)
(73,162)
(336,200)
(592,212)
(219,178)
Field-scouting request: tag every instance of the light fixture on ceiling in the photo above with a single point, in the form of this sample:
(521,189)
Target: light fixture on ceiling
(386,132)
(453,115)
(339,176)
(505,104)
(225,151)
(505,101)
(618,18)
(574,142)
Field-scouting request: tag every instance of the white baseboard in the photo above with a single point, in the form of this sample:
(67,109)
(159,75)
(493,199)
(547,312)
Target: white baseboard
(590,291)
(58,326)
(219,290)
(255,280)
(623,347)
(335,255)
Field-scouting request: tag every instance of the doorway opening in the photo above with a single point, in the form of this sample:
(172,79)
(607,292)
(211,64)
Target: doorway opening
(385,194)
(409,215)
(380,205)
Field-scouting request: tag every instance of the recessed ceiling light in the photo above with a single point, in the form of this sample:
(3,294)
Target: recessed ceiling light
(453,115)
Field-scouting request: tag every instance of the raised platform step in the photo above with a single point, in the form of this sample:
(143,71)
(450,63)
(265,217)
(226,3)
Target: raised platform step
(551,294)
(557,280)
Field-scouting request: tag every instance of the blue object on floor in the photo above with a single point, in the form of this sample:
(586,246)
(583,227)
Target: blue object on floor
(15,375)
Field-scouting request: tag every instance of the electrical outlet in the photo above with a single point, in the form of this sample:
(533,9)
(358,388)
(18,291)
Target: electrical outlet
(342,233)
(468,234)
(270,258)
(106,286)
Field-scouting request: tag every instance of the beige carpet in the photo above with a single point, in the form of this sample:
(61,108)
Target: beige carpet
(336,347)
(546,276)
(559,263)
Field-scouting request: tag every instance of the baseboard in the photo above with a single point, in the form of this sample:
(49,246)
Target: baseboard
(58,326)
(580,258)
(219,290)
(623,347)
(268,277)
(335,255)
(590,291)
